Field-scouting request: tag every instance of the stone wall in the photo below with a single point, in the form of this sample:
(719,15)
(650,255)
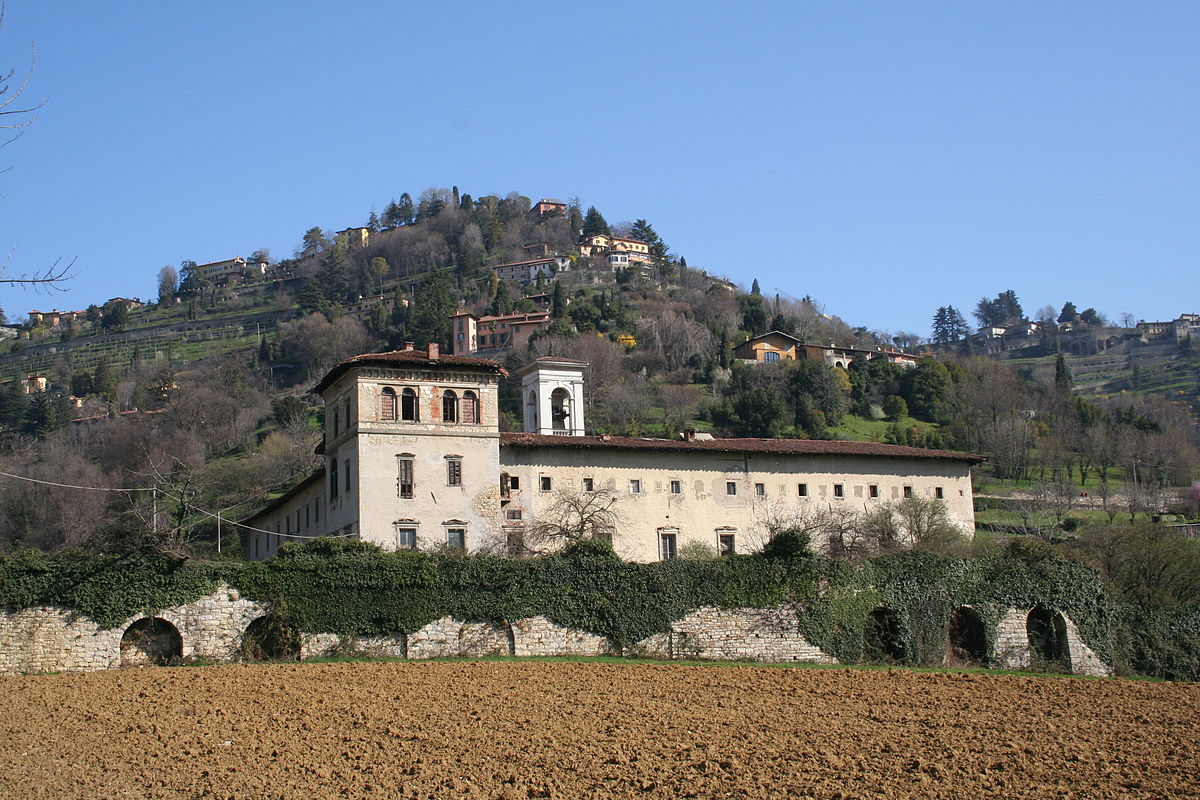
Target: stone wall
(739,634)
(52,639)
(49,639)
(1011,650)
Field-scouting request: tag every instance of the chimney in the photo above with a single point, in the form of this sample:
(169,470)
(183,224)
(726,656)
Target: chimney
(433,350)
(408,346)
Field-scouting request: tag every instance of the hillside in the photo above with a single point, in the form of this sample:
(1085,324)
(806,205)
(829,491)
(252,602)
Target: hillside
(203,394)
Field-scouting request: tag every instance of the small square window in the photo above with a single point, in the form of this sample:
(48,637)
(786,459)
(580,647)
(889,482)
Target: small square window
(589,485)
(676,488)
(635,486)
(802,489)
(513,514)
(938,493)
(514,482)
(873,490)
(839,490)
(456,538)
(908,491)
(545,483)
(730,488)
(760,489)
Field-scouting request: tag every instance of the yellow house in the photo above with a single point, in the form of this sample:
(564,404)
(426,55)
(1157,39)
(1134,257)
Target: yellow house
(768,347)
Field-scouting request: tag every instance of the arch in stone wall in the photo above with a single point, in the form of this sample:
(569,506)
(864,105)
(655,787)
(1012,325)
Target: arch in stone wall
(1047,634)
(967,641)
(268,638)
(883,637)
(150,641)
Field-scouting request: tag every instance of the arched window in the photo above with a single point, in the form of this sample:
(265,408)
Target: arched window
(449,406)
(409,409)
(560,409)
(387,409)
(470,407)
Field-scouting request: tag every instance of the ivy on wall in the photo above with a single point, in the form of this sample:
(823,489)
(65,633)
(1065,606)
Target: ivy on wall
(346,587)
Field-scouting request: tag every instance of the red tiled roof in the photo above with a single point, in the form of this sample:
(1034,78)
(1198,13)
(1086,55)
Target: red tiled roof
(409,358)
(811,447)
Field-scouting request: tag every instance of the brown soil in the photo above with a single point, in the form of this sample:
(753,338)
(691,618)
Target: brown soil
(564,730)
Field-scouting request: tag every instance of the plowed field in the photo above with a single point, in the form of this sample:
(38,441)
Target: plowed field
(566,730)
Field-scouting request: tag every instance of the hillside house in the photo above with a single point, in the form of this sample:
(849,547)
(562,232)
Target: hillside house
(364,305)
(52,319)
(777,346)
(414,459)
(527,272)
(548,207)
(230,270)
(1175,330)
(353,238)
(636,251)
(471,333)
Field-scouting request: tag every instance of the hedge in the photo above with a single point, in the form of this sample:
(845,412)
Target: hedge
(335,586)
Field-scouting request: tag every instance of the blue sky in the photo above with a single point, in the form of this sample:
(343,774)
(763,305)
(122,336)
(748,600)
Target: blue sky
(884,158)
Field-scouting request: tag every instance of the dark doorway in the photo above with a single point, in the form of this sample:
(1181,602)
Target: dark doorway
(1047,634)
(270,638)
(883,637)
(967,644)
(151,641)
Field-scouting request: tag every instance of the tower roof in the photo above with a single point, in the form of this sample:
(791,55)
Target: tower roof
(410,358)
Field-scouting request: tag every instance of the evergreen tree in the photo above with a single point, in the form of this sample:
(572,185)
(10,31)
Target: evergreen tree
(314,243)
(431,318)
(948,325)
(754,288)
(1069,312)
(754,314)
(594,223)
(104,380)
(333,277)
(373,222)
(558,303)
(1062,376)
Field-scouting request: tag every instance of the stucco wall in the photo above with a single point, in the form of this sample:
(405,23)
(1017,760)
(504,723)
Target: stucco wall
(703,508)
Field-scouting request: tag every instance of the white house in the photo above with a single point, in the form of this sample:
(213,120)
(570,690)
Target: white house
(414,458)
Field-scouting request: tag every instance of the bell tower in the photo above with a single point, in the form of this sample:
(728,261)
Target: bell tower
(552,396)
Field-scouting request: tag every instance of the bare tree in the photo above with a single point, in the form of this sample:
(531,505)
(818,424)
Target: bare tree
(15,117)
(574,516)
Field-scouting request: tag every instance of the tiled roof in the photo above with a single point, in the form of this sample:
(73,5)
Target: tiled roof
(811,447)
(409,358)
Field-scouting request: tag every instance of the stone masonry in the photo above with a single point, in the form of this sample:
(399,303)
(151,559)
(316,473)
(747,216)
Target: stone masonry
(49,639)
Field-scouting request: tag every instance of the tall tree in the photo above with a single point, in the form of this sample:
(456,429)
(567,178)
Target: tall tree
(431,319)
(1069,312)
(594,223)
(314,243)
(168,284)
(948,325)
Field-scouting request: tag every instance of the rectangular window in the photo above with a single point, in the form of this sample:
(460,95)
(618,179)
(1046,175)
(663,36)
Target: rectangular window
(347,476)
(760,489)
(666,546)
(404,481)
(513,514)
(676,488)
(908,491)
(545,483)
(514,482)
(730,488)
(317,510)
(454,472)
(307,515)
(938,493)
(802,489)
(726,544)
(635,486)
(839,490)
(297,520)
(589,485)
(873,490)
(406,538)
(456,538)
